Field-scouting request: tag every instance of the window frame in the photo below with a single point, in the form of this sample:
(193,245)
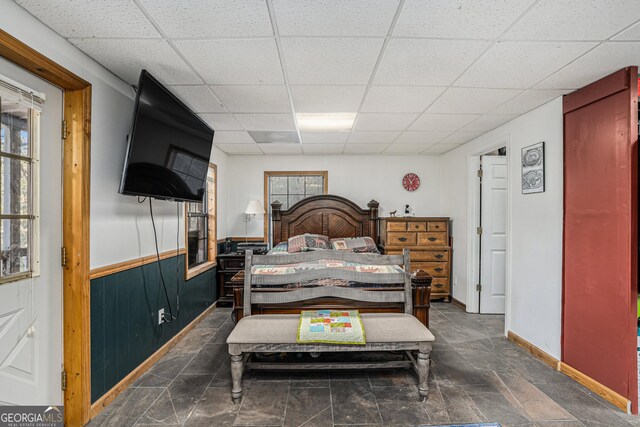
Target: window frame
(212,229)
(34,194)
(270,174)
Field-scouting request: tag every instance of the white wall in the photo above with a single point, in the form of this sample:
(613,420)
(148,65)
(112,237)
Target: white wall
(120,227)
(535,263)
(357,177)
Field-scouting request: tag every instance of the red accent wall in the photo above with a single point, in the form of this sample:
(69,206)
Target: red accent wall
(600,231)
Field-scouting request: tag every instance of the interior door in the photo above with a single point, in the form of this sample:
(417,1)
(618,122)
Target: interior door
(31,308)
(493,243)
(600,231)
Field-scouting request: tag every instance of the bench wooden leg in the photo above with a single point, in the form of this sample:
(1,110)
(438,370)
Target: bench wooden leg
(237,366)
(423,375)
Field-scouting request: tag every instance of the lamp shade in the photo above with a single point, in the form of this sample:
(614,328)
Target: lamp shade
(254,208)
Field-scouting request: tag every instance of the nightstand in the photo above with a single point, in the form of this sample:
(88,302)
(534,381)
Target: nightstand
(228,265)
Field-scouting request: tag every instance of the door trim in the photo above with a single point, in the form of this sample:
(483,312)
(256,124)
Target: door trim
(75,221)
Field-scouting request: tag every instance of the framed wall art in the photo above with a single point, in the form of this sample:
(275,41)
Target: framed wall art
(533,169)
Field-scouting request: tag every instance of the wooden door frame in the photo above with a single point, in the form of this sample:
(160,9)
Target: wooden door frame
(75,217)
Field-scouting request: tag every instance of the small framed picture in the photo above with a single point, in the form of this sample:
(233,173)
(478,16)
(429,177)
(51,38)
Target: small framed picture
(533,168)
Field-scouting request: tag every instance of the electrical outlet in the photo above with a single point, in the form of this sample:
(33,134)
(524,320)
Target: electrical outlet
(161,316)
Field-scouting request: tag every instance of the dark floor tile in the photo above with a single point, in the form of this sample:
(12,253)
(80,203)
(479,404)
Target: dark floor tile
(263,404)
(495,407)
(455,368)
(310,379)
(353,402)
(194,341)
(387,377)
(215,408)
(401,406)
(185,392)
(160,412)
(555,423)
(435,405)
(309,407)
(165,370)
(127,408)
(208,360)
(460,408)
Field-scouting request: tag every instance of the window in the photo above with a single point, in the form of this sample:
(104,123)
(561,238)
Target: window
(19,227)
(289,188)
(200,231)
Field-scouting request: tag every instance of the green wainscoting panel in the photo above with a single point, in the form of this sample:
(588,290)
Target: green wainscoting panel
(124,313)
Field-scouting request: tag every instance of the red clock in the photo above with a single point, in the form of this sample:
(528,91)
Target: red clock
(411,182)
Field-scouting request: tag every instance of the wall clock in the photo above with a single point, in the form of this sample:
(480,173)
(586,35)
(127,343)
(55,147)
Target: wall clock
(411,182)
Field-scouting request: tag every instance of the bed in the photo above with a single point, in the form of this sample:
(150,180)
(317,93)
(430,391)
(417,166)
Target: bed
(335,217)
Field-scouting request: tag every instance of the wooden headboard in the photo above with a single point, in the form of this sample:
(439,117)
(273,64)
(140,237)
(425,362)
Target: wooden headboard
(330,215)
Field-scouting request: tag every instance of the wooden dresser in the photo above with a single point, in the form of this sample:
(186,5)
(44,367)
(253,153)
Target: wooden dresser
(428,239)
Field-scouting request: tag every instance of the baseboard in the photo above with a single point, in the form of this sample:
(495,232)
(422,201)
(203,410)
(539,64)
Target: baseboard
(459,303)
(603,391)
(534,351)
(109,396)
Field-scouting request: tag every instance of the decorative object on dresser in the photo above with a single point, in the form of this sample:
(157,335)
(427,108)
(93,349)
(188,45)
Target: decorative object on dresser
(533,169)
(228,265)
(428,239)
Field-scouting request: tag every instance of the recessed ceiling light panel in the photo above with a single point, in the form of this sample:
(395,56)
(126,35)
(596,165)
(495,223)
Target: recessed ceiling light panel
(325,121)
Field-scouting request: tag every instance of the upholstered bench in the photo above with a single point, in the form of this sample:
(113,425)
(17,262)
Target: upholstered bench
(271,333)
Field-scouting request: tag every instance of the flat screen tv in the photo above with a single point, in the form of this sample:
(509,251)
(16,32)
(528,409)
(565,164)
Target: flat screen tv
(169,147)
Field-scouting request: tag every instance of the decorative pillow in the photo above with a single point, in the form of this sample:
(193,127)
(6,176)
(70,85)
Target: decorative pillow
(280,248)
(355,244)
(308,242)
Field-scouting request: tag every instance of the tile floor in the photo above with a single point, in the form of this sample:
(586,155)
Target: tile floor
(477,375)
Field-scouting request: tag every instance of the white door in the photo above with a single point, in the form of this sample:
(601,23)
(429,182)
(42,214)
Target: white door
(493,243)
(31,306)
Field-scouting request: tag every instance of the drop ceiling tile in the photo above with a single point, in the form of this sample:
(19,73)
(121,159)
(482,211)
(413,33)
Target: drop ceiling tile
(324,137)
(471,100)
(254,99)
(98,18)
(208,19)
(199,98)
(424,137)
(322,148)
(234,61)
(400,99)
(380,137)
(334,17)
(383,121)
(630,34)
(521,64)
(426,62)
(327,99)
(232,137)
(527,101)
(488,122)
(240,148)
(440,149)
(266,121)
(125,58)
(568,20)
(460,137)
(364,148)
(463,19)
(331,61)
(442,122)
(281,148)
(221,121)
(406,148)
(601,61)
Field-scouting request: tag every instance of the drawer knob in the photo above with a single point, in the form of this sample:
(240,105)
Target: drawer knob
(438,269)
(437,285)
(437,226)
(439,256)
(402,239)
(242,264)
(432,239)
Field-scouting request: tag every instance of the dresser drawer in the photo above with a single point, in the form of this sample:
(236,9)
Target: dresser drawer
(396,226)
(417,255)
(401,239)
(432,239)
(440,285)
(416,226)
(437,226)
(232,264)
(436,269)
